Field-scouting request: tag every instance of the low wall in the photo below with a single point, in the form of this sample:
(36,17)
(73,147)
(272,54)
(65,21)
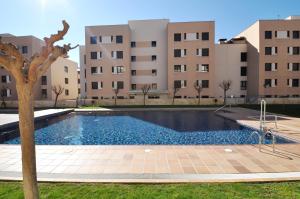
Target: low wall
(161,101)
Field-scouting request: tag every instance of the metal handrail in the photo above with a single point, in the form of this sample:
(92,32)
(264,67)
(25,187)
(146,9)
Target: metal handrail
(259,138)
(220,108)
(275,119)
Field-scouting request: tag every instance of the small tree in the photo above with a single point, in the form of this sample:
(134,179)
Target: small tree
(198,87)
(225,85)
(145,90)
(27,72)
(3,96)
(176,88)
(116,91)
(58,90)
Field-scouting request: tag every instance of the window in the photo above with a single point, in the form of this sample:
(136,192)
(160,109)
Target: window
(270,50)
(179,68)
(66,81)
(180,83)
(267,83)
(154,86)
(100,39)
(5,79)
(205,52)
(243,56)
(118,85)
(270,83)
(24,49)
(66,69)
(205,36)
(119,54)
(119,39)
(243,71)
(154,72)
(133,86)
(44,80)
(296,34)
(153,57)
(66,92)
(93,40)
(153,43)
(282,34)
(117,69)
(96,70)
(268,66)
(295,67)
(268,34)
(84,59)
(177,52)
(205,83)
(133,72)
(295,82)
(296,50)
(133,58)
(93,55)
(202,67)
(44,93)
(177,36)
(133,44)
(243,85)
(94,85)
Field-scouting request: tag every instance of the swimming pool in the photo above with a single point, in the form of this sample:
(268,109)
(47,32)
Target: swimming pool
(142,128)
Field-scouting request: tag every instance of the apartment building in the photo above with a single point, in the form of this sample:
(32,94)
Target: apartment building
(149,56)
(273,57)
(107,61)
(62,72)
(231,64)
(191,58)
(146,54)
(262,61)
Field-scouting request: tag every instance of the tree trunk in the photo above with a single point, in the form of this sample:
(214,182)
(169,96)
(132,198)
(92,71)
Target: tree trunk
(199,98)
(224,97)
(116,100)
(56,97)
(26,126)
(144,100)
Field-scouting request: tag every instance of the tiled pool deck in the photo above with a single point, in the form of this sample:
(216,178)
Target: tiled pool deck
(148,163)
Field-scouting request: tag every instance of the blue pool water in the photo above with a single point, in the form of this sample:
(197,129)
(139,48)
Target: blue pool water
(135,128)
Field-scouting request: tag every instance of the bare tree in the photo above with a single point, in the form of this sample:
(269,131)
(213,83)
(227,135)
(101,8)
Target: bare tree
(26,73)
(176,88)
(58,90)
(225,85)
(198,87)
(3,96)
(145,90)
(116,91)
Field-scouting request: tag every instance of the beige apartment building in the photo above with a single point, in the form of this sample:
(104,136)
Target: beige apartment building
(273,57)
(262,61)
(231,64)
(191,58)
(62,72)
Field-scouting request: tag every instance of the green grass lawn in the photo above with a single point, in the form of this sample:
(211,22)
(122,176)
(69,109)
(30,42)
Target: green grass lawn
(286,109)
(290,190)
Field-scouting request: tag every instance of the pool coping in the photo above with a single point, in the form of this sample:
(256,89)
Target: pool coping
(154,177)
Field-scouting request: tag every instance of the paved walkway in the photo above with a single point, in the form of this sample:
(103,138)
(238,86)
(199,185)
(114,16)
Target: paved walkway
(156,163)
(286,126)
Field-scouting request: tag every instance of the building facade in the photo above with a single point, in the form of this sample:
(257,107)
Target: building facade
(173,58)
(274,57)
(63,72)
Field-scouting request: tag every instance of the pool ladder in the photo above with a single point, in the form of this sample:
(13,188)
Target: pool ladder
(261,139)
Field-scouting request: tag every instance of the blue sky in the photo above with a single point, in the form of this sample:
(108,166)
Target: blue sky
(43,17)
